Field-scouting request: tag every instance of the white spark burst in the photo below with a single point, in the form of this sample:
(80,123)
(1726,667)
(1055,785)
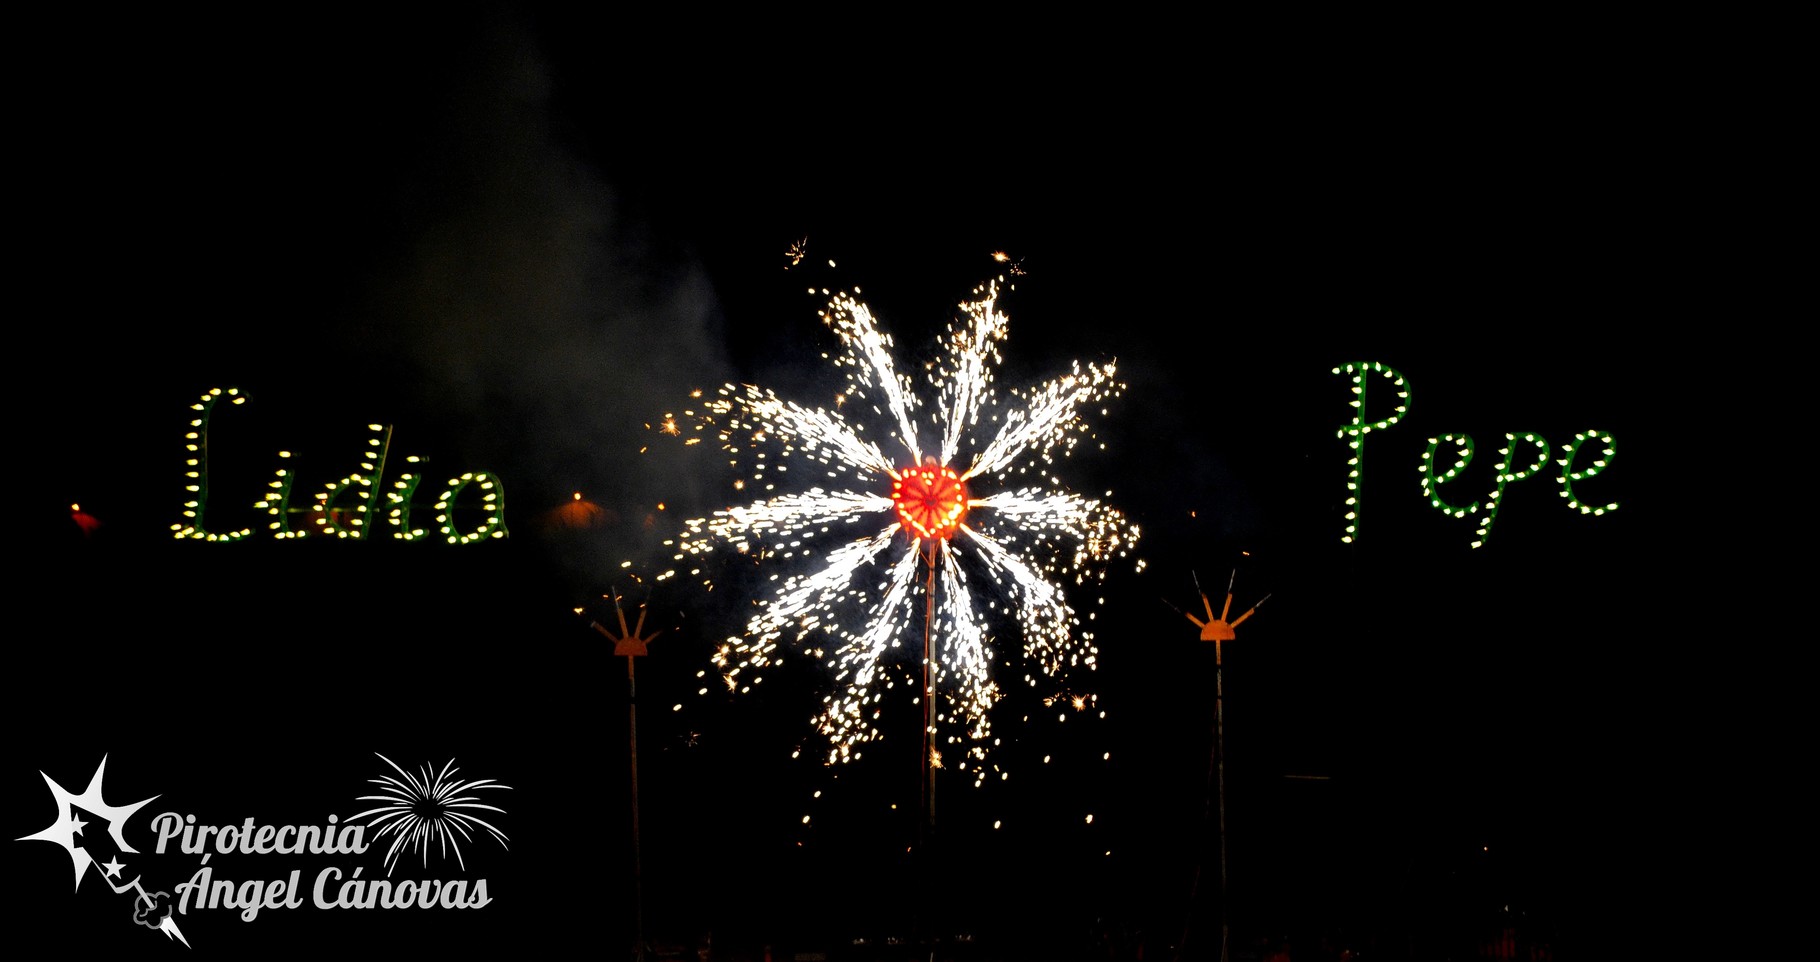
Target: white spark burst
(999,569)
(423,811)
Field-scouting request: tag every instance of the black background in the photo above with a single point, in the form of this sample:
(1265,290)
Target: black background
(521,237)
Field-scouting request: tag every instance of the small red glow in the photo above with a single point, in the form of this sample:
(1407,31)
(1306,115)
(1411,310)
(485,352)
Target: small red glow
(87,522)
(930,500)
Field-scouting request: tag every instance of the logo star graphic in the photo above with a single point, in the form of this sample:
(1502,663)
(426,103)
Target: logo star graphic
(64,830)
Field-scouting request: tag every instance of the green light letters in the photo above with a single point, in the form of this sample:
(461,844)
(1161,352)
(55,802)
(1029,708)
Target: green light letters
(343,508)
(1534,458)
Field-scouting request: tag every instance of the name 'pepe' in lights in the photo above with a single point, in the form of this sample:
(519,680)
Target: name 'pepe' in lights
(1508,468)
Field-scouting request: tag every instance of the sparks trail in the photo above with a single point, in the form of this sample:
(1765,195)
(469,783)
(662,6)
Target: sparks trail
(956,482)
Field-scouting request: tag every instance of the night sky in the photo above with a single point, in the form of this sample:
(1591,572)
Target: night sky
(521,238)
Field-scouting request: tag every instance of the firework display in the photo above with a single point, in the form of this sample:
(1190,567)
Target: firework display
(949,477)
(914,684)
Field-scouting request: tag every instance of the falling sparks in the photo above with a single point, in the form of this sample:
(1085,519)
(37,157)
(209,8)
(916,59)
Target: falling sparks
(796,252)
(895,494)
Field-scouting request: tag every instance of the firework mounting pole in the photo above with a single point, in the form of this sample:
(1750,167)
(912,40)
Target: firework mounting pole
(1219,630)
(929,693)
(930,501)
(629,644)
(925,826)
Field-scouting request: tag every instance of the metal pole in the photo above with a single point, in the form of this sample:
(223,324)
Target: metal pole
(1217,630)
(638,870)
(1219,754)
(926,825)
(630,643)
(929,696)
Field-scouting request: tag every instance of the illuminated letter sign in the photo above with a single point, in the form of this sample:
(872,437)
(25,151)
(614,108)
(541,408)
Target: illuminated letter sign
(1523,455)
(343,508)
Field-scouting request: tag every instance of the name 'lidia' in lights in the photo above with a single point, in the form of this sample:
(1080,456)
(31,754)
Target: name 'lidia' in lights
(1509,467)
(344,508)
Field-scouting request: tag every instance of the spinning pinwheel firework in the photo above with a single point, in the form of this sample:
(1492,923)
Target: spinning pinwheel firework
(969,501)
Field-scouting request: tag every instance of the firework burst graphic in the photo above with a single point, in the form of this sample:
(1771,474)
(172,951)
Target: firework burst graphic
(425,811)
(947,494)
